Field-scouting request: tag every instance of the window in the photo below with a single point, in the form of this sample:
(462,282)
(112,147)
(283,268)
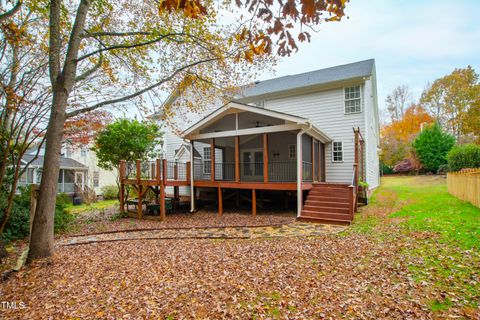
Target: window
(83,152)
(96,177)
(353,100)
(207,160)
(337,151)
(292,151)
(69,153)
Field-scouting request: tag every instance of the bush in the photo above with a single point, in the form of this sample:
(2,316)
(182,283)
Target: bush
(431,146)
(464,156)
(18,225)
(110,192)
(385,168)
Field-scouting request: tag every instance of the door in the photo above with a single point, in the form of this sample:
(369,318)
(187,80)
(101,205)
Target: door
(252,165)
(80,180)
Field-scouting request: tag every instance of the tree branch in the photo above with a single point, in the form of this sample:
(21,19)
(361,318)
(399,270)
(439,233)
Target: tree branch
(128,46)
(116,34)
(4,16)
(138,93)
(54,41)
(90,71)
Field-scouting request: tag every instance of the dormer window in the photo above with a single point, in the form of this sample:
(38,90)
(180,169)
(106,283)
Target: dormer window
(353,100)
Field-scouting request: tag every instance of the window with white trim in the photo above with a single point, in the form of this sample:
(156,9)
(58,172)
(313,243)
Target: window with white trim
(96,178)
(292,151)
(207,160)
(353,100)
(337,151)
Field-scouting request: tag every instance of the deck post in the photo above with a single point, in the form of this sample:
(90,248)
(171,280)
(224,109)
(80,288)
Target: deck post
(162,202)
(265,158)
(158,171)
(122,186)
(140,202)
(220,202)
(212,159)
(164,171)
(175,171)
(254,203)
(138,172)
(192,177)
(237,159)
(188,170)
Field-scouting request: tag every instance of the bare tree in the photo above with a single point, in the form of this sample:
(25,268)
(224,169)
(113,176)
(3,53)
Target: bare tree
(397,102)
(25,100)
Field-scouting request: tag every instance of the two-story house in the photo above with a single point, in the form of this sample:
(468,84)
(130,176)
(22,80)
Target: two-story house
(314,134)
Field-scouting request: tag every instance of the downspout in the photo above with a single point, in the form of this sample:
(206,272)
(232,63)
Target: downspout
(192,190)
(299,170)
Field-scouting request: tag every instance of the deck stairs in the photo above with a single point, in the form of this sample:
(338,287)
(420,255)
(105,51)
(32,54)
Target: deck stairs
(329,203)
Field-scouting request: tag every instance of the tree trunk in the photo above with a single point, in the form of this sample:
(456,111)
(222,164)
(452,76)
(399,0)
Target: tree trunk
(41,241)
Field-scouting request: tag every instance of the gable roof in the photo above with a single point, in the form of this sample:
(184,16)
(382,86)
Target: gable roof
(186,148)
(356,70)
(65,163)
(233,105)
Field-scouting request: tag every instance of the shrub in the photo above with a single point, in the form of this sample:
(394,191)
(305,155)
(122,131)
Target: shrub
(464,156)
(18,225)
(110,192)
(431,146)
(386,169)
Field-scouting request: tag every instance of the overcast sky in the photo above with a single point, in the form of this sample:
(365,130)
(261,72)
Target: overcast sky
(413,42)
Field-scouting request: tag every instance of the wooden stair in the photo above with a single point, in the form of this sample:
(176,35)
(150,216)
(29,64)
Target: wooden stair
(329,203)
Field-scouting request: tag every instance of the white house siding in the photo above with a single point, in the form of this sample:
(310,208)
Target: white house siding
(371,135)
(88,158)
(326,110)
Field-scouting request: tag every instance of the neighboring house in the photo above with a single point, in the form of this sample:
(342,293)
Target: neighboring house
(292,134)
(97,177)
(71,178)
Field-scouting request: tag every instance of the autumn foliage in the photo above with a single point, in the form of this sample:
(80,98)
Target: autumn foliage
(398,136)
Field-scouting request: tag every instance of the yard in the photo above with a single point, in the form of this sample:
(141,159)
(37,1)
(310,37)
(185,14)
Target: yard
(414,252)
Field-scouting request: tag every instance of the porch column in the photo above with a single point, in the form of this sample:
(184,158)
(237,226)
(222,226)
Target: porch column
(299,173)
(265,157)
(313,159)
(212,159)
(237,159)
(192,173)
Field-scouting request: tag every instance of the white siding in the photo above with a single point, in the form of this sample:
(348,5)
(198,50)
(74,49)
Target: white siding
(371,136)
(326,110)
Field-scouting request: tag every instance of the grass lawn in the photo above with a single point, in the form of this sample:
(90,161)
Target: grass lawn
(412,253)
(99,205)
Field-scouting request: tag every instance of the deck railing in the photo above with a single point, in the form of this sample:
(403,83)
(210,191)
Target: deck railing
(307,171)
(282,171)
(251,171)
(278,171)
(225,171)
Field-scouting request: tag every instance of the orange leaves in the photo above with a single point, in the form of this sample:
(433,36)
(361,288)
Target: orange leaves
(191,8)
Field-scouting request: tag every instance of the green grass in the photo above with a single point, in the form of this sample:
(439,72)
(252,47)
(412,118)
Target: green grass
(99,205)
(430,207)
(448,252)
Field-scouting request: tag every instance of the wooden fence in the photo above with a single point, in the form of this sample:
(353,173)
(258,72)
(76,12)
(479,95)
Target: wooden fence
(465,185)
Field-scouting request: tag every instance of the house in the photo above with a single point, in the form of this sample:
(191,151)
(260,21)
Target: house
(314,135)
(71,178)
(97,177)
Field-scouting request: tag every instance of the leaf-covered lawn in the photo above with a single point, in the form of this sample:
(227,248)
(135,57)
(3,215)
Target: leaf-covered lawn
(395,262)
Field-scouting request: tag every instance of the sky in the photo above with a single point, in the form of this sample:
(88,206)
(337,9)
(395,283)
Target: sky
(412,42)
